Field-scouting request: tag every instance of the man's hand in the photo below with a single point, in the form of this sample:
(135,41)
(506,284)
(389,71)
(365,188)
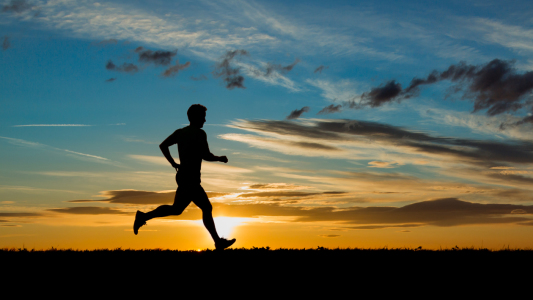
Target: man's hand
(223,159)
(175,166)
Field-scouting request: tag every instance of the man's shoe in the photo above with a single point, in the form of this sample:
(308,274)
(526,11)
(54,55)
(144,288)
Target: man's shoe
(139,221)
(223,243)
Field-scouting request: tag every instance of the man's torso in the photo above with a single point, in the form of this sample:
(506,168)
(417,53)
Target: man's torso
(192,147)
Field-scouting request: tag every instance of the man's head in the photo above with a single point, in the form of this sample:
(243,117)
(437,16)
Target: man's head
(196,115)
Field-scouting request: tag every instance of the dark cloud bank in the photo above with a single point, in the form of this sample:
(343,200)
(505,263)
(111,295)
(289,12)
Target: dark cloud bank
(479,152)
(439,212)
(495,87)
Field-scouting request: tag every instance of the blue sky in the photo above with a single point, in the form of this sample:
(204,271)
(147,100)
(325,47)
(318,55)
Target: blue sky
(75,127)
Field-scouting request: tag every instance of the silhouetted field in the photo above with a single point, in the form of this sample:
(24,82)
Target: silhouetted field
(359,267)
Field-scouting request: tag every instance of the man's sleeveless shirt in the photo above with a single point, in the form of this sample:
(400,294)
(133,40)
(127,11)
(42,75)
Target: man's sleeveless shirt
(192,148)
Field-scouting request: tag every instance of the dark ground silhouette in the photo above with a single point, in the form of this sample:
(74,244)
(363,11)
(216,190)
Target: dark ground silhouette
(279,272)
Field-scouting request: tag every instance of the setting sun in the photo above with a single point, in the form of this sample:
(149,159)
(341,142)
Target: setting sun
(226,225)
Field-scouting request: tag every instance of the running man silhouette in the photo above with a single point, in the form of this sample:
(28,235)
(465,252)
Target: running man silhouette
(192,148)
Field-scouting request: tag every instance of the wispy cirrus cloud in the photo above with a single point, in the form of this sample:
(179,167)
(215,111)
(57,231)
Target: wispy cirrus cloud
(53,125)
(515,37)
(336,91)
(196,34)
(88,210)
(482,124)
(78,155)
(207,167)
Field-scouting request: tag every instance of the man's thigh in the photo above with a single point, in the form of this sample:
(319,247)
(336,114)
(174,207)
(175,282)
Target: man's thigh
(182,199)
(191,192)
(201,200)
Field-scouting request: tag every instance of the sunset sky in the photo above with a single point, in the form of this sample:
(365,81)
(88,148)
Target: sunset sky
(349,124)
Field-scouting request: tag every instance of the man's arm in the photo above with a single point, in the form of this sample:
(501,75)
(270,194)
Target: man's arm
(208,156)
(169,141)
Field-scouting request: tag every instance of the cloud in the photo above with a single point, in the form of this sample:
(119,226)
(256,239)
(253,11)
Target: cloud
(199,78)
(17,6)
(159,57)
(330,235)
(275,186)
(366,227)
(495,126)
(78,155)
(230,75)
(343,91)
(5,43)
(111,79)
(88,210)
(172,71)
(136,197)
(382,94)
(383,164)
(332,108)
(87,155)
(126,67)
(207,167)
(438,212)
(495,87)
(295,114)
(53,125)
(19,215)
(344,135)
(320,68)
(284,146)
(515,37)
(290,194)
(271,69)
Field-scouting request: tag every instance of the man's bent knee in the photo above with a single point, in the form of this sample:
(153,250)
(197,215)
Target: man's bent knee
(207,209)
(176,211)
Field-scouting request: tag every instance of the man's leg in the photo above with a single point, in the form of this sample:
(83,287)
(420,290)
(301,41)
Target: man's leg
(202,201)
(181,201)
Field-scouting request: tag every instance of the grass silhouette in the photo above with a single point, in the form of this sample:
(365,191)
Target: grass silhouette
(258,271)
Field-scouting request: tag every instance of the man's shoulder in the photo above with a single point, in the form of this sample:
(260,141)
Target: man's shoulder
(191,131)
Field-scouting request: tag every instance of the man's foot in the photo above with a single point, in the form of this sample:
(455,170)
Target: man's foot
(223,243)
(139,221)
